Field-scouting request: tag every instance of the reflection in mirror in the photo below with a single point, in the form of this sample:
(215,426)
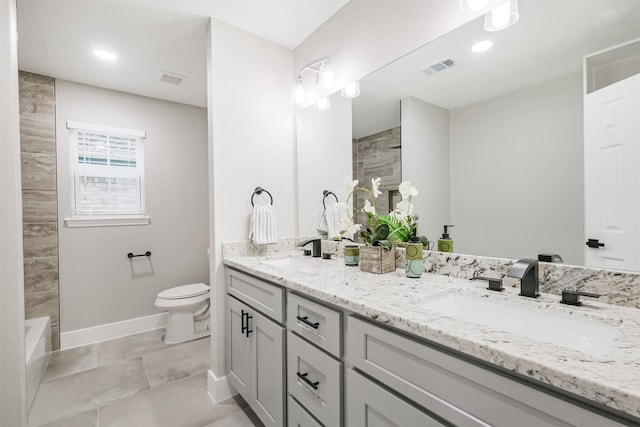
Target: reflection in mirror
(494,141)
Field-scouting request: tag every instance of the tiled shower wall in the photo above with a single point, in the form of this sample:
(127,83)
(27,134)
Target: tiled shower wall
(378,156)
(39,199)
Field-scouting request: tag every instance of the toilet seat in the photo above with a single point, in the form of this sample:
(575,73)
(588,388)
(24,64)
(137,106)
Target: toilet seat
(183,303)
(185,291)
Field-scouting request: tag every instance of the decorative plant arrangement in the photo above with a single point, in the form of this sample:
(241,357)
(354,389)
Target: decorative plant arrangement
(382,231)
(399,225)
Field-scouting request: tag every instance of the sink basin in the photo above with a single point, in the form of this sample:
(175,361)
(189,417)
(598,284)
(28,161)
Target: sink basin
(577,332)
(297,265)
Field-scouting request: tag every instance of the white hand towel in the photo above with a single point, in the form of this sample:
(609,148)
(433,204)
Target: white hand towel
(334,218)
(322,222)
(263,227)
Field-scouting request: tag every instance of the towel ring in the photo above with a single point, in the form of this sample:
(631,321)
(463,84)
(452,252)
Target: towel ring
(327,193)
(259,190)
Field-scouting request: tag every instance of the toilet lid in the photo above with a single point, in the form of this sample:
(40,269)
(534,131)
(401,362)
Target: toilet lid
(184,291)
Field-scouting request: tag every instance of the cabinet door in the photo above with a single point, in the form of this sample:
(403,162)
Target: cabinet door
(238,349)
(369,405)
(267,362)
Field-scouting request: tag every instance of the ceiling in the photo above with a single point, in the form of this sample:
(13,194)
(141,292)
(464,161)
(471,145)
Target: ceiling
(548,41)
(56,38)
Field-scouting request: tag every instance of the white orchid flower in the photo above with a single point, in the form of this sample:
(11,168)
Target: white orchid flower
(369,208)
(404,208)
(375,184)
(344,208)
(407,190)
(353,229)
(348,185)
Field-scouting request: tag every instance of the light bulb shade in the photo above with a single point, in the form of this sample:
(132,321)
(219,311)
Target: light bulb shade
(324,104)
(472,5)
(351,90)
(502,16)
(298,91)
(327,73)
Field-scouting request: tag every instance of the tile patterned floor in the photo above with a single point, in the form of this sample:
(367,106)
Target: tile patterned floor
(134,381)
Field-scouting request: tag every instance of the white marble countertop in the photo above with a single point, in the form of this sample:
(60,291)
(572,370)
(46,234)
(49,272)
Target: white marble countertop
(611,377)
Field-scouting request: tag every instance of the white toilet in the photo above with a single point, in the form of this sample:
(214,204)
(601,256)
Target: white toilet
(188,307)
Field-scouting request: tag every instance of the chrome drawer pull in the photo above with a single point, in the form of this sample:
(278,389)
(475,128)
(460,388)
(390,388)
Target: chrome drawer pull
(306,322)
(313,385)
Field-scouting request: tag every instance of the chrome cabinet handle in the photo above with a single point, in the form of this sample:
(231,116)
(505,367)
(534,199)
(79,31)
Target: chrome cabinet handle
(304,378)
(306,322)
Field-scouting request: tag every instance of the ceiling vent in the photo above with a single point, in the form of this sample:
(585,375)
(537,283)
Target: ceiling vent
(439,66)
(172,78)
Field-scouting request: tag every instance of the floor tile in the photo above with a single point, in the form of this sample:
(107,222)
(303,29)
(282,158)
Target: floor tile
(71,361)
(66,396)
(84,419)
(131,346)
(177,362)
(246,418)
(183,403)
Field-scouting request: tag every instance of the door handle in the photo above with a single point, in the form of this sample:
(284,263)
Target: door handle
(245,323)
(594,243)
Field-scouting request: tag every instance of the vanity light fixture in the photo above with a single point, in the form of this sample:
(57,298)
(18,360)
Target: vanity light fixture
(482,46)
(502,16)
(324,104)
(351,90)
(325,71)
(472,5)
(105,54)
(298,91)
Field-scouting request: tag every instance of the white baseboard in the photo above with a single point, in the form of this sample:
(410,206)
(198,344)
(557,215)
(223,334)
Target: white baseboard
(112,330)
(219,389)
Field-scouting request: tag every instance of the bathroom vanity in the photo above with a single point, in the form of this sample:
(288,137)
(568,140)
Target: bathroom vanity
(313,342)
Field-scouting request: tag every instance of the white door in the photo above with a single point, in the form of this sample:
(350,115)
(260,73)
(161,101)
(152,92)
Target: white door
(612,176)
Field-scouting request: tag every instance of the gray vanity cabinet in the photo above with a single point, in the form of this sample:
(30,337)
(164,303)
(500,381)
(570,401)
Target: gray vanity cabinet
(453,388)
(255,346)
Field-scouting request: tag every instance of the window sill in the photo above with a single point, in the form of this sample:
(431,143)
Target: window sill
(79,222)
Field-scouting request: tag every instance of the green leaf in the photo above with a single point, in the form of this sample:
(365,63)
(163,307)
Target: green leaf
(386,244)
(380,233)
(398,232)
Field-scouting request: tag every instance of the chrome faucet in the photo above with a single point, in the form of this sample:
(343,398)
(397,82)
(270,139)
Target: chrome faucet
(526,271)
(317,246)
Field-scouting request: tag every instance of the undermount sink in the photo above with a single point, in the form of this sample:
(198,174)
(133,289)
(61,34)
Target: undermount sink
(297,265)
(577,332)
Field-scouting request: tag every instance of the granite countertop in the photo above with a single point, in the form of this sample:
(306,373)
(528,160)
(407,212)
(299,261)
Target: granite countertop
(609,375)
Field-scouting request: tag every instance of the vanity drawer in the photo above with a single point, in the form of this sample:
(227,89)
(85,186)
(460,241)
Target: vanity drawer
(298,416)
(464,393)
(315,379)
(259,294)
(316,323)
(368,405)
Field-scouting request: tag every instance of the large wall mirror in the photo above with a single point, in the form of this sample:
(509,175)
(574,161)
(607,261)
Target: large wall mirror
(494,140)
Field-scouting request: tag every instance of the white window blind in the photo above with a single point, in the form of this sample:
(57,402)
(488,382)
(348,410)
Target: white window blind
(107,167)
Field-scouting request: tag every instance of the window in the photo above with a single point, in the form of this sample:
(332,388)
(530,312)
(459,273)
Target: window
(107,169)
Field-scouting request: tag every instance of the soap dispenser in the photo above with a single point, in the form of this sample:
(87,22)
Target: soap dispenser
(445,244)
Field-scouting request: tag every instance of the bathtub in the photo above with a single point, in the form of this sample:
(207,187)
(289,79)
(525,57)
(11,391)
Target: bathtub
(37,343)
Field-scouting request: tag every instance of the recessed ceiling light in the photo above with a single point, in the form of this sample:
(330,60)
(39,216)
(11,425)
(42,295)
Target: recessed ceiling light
(104,54)
(482,46)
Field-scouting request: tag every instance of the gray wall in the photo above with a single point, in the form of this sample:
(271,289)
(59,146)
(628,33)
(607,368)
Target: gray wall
(426,163)
(517,173)
(39,215)
(98,283)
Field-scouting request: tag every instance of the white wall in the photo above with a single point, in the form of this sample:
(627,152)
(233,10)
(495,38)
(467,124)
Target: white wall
(324,158)
(98,283)
(13,407)
(425,162)
(365,35)
(517,173)
(251,125)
